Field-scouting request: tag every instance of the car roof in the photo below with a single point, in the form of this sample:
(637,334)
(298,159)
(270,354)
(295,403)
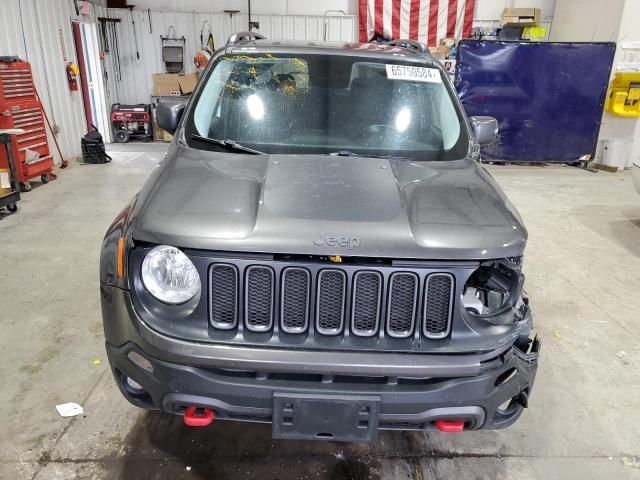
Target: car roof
(374,50)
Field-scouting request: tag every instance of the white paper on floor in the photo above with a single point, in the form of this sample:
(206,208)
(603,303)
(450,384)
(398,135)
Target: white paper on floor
(69,409)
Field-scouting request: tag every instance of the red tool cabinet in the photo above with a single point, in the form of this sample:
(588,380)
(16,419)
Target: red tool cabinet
(21,108)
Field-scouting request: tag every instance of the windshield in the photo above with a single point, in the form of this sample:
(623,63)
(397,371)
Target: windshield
(328,104)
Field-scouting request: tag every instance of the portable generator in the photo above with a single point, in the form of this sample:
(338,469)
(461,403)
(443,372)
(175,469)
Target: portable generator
(131,121)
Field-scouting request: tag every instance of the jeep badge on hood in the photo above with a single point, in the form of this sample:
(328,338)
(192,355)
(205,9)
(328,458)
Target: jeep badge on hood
(344,241)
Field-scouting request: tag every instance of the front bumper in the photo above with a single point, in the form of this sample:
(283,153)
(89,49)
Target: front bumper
(405,403)
(411,391)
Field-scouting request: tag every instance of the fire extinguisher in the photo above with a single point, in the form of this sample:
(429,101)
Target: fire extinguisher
(72,76)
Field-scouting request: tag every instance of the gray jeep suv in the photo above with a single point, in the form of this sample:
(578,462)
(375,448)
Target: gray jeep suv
(321,249)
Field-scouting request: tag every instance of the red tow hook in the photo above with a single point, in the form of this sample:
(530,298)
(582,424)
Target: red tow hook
(193,418)
(450,426)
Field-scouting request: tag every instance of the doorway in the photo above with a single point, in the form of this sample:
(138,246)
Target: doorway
(92,79)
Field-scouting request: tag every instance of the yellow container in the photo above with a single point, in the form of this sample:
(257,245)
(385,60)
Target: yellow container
(624,95)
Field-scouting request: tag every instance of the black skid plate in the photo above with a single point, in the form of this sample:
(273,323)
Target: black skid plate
(325,417)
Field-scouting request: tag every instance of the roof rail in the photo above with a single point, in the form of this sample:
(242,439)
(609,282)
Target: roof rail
(238,37)
(418,47)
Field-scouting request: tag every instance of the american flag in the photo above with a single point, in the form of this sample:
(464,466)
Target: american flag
(427,21)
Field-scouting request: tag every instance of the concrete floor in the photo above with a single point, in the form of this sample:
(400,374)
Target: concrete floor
(582,265)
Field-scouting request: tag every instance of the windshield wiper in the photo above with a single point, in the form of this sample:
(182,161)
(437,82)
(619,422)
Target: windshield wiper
(229,144)
(349,153)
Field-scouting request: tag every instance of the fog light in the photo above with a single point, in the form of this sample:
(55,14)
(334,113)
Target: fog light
(133,385)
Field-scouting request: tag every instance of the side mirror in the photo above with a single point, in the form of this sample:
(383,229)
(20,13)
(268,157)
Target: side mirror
(485,129)
(168,116)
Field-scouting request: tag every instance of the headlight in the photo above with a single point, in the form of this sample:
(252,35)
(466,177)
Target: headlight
(493,288)
(169,275)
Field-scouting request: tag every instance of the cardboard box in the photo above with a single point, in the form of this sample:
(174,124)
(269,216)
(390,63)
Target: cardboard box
(158,133)
(440,53)
(448,42)
(520,17)
(166,84)
(174,84)
(188,83)
(5,183)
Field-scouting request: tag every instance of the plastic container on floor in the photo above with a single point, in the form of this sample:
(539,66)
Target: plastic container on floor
(616,152)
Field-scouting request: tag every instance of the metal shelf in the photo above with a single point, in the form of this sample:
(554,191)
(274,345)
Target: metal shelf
(11,199)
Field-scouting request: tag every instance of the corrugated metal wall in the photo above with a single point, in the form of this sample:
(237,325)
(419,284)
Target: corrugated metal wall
(47,27)
(111,81)
(258,7)
(39,31)
(135,86)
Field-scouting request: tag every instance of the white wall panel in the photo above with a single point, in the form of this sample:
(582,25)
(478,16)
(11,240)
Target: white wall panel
(259,7)
(485,9)
(587,20)
(111,82)
(490,10)
(11,41)
(286,19)
(44,51)
(294,19)
(136,83)
(547,7)
(306,7)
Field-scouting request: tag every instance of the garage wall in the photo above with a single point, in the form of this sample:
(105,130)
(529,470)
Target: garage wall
(629,31)
(593,20)
(111,83)
(492,9)
(278,19)
(31,30)
(488,12)
(135,86)
(597,21)
(264,7)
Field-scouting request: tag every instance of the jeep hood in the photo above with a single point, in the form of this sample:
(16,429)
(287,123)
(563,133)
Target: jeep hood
(326,205)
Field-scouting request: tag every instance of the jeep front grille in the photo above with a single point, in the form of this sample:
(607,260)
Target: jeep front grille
(403,296)
(259,298)
(331,298)
(346,302)
(366,303)
(224,296)
(437,305)
(294,306)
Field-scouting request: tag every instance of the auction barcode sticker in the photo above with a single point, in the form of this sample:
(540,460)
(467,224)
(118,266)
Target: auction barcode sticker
(417,74)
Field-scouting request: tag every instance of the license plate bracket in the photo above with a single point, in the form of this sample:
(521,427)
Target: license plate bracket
(325,417)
